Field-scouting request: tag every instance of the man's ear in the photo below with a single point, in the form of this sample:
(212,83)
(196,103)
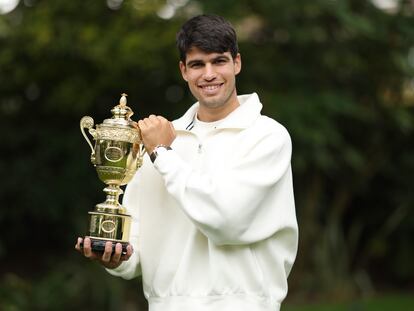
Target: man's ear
(183,70)
(237,64)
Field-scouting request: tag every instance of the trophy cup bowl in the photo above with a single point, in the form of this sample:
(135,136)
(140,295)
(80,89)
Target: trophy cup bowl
(117,154)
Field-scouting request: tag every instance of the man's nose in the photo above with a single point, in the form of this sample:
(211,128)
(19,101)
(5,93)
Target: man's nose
(209,72)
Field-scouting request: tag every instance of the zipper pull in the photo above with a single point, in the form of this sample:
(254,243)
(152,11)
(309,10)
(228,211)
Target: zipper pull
(200,146)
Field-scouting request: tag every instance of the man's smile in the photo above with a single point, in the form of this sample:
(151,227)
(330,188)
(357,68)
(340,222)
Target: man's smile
(210,88)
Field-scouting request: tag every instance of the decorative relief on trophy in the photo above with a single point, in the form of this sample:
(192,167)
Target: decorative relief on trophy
(117,154)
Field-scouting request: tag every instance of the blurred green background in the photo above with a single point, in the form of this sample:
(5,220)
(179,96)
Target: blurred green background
(338,74)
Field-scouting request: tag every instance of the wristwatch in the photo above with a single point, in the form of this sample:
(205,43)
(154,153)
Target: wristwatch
(157,151)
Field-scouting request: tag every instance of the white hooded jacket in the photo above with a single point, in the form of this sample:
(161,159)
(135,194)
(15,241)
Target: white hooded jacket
(214,225)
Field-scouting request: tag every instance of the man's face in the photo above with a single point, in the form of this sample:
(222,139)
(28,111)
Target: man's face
(211,77)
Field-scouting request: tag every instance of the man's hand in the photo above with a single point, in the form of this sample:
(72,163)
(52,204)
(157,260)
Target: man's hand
(107,258)
(156,130)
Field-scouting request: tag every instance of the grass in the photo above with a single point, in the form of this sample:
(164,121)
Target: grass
(385,303)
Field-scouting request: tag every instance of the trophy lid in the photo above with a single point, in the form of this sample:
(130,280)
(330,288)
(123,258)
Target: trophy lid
(119,128)
(121,114)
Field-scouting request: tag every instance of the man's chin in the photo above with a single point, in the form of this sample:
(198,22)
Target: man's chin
(211,103)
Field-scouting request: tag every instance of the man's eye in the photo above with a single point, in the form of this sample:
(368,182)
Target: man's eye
(196,65)
(220,61)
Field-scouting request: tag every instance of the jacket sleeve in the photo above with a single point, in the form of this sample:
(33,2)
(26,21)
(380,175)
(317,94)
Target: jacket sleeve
(249,200)
(131,268)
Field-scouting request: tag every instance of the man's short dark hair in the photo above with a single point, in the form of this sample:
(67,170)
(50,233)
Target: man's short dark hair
(209,33)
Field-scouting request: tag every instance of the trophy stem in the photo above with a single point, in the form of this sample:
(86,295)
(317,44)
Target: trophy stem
(111,205)
(112,194)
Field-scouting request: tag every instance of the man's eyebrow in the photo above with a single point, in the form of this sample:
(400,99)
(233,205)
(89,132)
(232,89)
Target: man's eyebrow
(194,61)
(214,59)
(221,57)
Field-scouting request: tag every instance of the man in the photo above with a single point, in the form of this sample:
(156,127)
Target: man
(214,216)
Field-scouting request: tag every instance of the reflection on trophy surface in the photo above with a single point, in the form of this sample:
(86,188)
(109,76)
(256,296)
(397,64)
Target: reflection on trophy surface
(117,155)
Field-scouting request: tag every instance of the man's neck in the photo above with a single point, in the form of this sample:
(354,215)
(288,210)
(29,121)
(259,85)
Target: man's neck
(208,114)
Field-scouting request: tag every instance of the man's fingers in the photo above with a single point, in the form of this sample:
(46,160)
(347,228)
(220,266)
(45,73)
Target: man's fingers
(129,252)
(161,118)
(77,245)
(172,129)
(109,258)
(141,124)
(135,124)
(87,248)
(106,256)
(153,118)
(117,254)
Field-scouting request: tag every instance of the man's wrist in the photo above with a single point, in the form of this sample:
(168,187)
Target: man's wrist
(157,151)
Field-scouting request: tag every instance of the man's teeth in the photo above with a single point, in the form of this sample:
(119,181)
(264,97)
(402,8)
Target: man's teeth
(211,87)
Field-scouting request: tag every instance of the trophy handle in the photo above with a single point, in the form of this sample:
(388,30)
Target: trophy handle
(141,149)
(87,122)
(141,154)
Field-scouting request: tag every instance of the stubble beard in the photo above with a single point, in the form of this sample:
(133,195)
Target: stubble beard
(217,103)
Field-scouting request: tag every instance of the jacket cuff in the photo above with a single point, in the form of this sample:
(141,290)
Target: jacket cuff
(118,271)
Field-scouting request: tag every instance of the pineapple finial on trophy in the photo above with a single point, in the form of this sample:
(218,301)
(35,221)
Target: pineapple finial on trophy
(123,100)
(122,111)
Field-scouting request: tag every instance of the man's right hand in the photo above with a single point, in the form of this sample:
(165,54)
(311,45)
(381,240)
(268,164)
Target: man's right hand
(108,259)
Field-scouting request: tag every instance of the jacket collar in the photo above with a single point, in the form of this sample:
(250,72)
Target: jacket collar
(240,118)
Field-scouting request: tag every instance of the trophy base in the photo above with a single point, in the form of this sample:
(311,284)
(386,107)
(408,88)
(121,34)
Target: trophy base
(98,246)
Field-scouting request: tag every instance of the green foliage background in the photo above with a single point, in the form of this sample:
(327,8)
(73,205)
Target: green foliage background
(338,74)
